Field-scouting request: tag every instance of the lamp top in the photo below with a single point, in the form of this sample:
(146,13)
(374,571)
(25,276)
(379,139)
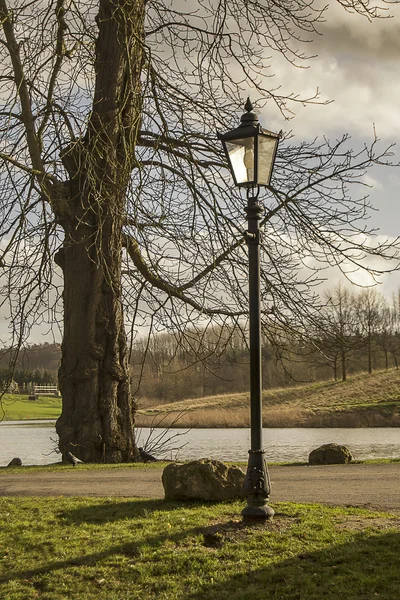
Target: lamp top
(249,126)
(249,117)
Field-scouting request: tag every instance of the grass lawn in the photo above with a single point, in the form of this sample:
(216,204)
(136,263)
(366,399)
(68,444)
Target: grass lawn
(17,408)
(84,548)
(58,467)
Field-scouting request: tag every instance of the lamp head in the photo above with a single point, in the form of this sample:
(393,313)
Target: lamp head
(250,150)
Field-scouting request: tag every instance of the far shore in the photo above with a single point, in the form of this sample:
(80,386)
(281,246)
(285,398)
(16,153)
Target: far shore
(198,421)
(364,400)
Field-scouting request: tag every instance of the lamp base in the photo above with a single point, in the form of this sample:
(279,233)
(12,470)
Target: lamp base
(257,512)
(257,487)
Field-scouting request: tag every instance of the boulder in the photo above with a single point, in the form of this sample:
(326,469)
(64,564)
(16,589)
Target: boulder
(204,479)
(15,462)
(330,454)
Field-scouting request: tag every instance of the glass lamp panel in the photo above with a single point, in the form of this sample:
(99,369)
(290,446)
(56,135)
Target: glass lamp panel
(266,156)
(241,158)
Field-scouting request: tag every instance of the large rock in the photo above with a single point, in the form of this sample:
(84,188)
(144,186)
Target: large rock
(330,454)
(203,479)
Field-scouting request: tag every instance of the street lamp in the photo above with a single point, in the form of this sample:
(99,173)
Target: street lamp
(251,152)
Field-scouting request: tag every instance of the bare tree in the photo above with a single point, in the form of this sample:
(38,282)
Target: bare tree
(115,205)
(369,310)
(388,338)
(340,328)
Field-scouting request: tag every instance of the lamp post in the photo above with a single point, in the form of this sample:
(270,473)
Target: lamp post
(251,152)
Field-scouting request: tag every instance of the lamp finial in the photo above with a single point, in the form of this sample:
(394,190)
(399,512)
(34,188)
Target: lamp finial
(249,117)
(248,106)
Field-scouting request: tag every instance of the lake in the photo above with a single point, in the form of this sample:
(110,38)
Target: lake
(34,442)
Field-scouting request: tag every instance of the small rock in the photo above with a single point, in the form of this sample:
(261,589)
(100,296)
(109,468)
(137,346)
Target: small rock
(15,462)
(330,454)
(204,479)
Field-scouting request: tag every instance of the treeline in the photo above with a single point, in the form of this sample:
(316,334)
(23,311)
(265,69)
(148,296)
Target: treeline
(36,363)
(27,376)
(352,332)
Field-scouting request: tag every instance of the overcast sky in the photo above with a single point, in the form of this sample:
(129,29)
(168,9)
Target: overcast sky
(357,68)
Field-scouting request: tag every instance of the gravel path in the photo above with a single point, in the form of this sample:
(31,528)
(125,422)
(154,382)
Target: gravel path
(375,486)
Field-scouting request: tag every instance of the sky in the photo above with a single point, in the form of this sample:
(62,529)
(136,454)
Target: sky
(357,68)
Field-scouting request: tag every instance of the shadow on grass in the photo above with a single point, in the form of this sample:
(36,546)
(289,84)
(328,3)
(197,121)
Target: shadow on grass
(130,549)
(102,514)
(109,511)
(365,569)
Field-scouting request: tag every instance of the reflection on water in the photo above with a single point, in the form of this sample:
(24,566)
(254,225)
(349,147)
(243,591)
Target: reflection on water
(35,443)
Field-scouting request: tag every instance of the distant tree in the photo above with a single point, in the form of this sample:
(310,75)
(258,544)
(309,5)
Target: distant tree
(339,328)
(388,338)
(369,307)
(115,203)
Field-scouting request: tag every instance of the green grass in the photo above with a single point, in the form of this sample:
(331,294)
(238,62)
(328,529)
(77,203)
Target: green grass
(18,408)
(58,548)
(60,467)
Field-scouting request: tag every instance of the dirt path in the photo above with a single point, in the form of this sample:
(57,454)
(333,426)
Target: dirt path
(376,486)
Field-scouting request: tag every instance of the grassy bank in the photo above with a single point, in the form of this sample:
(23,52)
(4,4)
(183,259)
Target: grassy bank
(17,407)
(361,401)
(118,549)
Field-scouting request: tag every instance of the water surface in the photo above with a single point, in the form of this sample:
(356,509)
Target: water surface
(35,442)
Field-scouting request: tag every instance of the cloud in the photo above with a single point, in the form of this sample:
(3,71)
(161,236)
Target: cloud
(356,67)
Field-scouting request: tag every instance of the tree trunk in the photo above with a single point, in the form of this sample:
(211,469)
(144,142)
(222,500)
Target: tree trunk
(335,369)
(97,417)
(369,351)
(344,372)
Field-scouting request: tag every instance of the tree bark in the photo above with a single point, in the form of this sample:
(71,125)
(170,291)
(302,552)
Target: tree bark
(369,350)
(335,369)
(344,371)
(97,420)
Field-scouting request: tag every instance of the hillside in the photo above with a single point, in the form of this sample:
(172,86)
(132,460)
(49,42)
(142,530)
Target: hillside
(362,401)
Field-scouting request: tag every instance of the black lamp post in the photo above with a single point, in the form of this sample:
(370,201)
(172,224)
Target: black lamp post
(251,152)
